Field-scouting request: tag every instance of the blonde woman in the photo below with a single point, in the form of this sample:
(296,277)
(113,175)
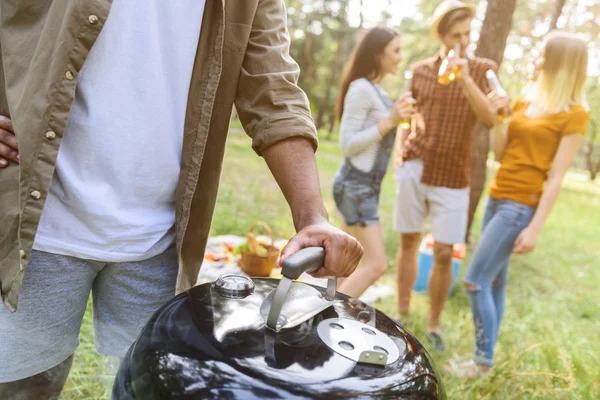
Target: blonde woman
(535,149)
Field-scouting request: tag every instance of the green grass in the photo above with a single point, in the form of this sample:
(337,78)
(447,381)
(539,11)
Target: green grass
(548,346)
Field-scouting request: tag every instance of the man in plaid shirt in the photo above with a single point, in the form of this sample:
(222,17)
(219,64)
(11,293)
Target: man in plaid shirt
(434,158)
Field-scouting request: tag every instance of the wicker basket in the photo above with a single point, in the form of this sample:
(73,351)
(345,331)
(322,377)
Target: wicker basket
(255,264)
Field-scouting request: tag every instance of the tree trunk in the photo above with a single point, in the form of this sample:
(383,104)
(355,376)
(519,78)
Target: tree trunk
(309,71)
(361,23)
(330,126)
(492,42)
(557,7)
(592,167)
(326,104)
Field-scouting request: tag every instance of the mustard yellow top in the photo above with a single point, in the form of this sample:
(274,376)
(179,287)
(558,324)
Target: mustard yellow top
(530,149)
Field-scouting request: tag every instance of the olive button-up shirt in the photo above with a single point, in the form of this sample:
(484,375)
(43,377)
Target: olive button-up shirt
(242,59)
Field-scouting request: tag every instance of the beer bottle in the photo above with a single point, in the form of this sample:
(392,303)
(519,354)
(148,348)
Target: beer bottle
(447,76)
(408,76)
(496,87)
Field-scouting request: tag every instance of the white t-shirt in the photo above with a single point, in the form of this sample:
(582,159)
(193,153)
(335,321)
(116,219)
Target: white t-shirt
(112,197)
(363,110)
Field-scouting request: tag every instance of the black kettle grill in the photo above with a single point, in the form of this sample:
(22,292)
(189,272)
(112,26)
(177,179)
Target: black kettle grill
(242,338)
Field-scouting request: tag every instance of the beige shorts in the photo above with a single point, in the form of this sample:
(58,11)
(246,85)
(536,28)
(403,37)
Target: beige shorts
(414,201)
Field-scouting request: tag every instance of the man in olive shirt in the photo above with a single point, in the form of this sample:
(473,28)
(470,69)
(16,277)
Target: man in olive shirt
(112,137)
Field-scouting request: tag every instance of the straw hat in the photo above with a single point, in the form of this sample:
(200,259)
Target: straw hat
(444,9)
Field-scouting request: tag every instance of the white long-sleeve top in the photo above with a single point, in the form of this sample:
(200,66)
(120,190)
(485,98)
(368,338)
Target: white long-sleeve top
(363,110)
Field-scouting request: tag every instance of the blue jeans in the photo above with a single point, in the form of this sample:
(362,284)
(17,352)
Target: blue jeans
(488,271)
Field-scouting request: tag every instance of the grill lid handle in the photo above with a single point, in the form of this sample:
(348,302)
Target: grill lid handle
(305,260)
(308,259)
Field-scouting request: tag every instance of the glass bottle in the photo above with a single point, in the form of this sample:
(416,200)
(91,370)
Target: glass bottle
(496,87)
(447,76)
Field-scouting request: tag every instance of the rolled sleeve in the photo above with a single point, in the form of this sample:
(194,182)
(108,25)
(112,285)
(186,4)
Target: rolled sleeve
(269,102)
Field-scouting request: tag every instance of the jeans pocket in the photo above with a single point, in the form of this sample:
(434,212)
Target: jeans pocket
(514,213)
(525,216)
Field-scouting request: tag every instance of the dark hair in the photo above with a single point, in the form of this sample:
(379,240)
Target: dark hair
(364,62)
(452,18)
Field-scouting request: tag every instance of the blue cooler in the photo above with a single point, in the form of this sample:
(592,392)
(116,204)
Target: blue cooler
(425,263)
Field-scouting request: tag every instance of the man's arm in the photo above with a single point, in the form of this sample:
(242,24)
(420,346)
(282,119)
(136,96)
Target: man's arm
(292,163)
(276,115)
(475,96)
(478,100)
(500,127)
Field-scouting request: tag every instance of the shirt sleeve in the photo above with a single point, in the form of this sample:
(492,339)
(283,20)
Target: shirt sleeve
(577,122)
(269,102)
(357,105)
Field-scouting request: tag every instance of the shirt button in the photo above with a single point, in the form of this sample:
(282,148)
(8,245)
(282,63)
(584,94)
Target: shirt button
(93,19)
(50,135)
(36,194)
(69,75)
(22,254)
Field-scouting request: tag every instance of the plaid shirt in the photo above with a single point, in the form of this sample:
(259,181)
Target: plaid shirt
(443,124)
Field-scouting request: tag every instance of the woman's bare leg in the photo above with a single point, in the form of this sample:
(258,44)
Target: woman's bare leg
(374,262)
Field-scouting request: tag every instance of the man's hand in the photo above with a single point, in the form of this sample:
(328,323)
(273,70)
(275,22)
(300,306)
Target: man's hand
(498,101)
(342,251)
(526,241)
(403,107)
(499,104)
(463,63)
(8,142)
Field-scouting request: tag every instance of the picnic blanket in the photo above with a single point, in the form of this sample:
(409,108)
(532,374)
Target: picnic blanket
(219,260)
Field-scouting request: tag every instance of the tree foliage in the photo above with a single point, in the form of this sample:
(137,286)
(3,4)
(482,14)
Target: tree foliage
(324,33)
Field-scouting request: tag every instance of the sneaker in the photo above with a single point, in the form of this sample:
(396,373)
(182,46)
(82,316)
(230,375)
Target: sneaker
(435,341)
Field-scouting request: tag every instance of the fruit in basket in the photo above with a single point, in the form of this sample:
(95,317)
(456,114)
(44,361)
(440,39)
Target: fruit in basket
(242,248)
(258,256)
(258,249)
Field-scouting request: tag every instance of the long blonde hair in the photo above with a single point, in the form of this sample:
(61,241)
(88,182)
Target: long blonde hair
(561,82)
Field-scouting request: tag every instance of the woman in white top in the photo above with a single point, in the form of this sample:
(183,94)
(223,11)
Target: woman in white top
(367,133)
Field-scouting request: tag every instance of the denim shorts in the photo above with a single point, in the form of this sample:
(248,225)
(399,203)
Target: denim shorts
(357,198)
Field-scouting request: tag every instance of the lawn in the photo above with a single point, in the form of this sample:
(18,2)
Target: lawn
(548,346)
